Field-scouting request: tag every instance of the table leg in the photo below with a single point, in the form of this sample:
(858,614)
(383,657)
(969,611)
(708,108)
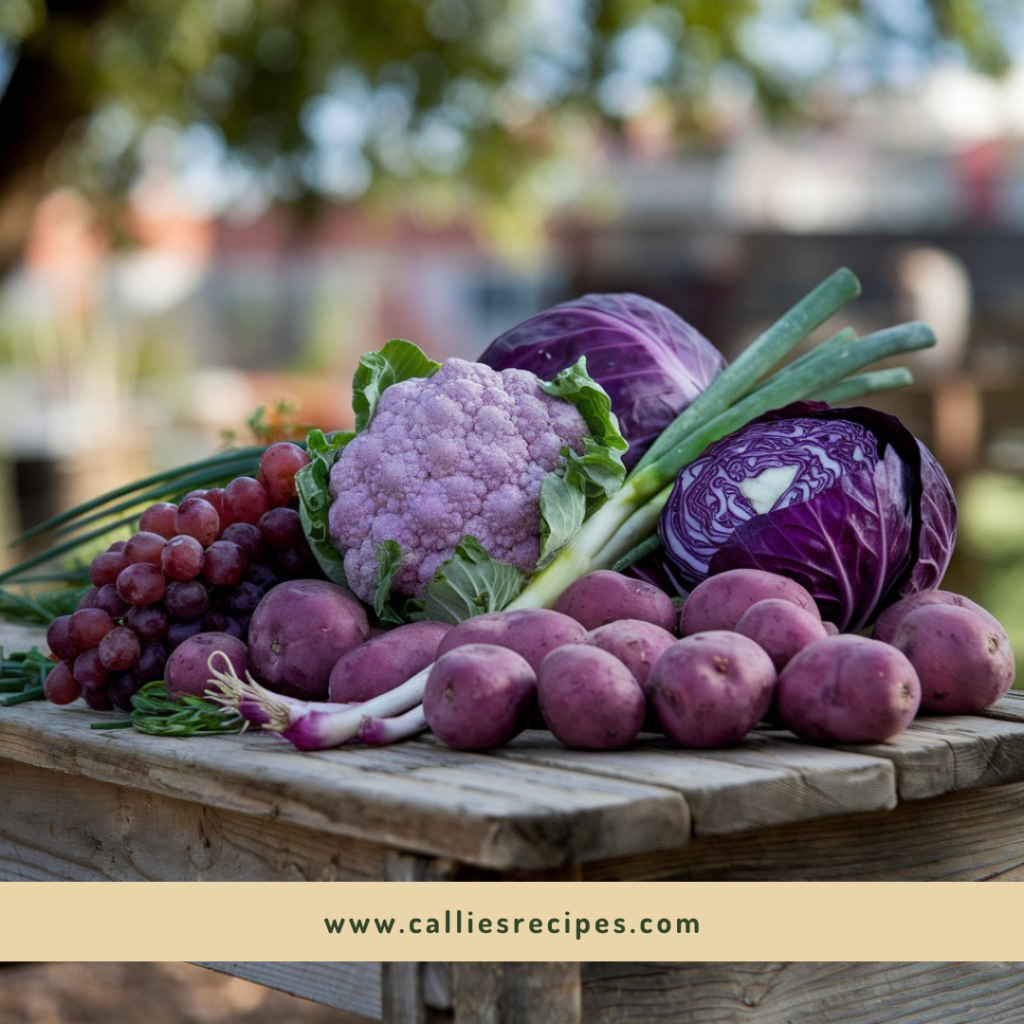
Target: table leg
(516,993)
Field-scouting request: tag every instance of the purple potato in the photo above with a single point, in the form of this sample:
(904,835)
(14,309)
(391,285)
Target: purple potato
(479,696)
(889,621)
(298,632)
(604,596)
(848,689)
(637,644)
(720,600)
(780,628)
(531,633)
(589,699)
(385,661)
(963,659)
(710,689)
(188,671)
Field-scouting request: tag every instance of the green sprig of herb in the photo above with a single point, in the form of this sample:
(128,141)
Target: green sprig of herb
(157,713)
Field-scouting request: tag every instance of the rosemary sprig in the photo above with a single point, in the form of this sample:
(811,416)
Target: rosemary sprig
(157,713)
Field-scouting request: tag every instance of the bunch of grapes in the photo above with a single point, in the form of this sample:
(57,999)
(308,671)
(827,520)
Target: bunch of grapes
(196,567)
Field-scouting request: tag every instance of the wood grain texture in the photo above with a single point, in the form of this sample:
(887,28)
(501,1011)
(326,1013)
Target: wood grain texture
(971,836)
(54,828)
(766,780)
(804,993)
(355,987)
(413,796)
(516,993)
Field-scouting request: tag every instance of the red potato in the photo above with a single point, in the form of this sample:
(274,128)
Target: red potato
(531,633)
(188,671)
(385,661)
(848,689)
(719,601)
(479,696)
(889,621)
(604,596)
(963,659)
(298,632)
(710,689)
(637,644)
(780,628)
(589,699)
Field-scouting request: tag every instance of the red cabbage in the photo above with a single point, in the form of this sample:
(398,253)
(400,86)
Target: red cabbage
(650,361)
(846,502)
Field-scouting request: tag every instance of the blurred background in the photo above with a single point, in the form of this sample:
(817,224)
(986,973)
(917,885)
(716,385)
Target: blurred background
(159,993)
(208,209)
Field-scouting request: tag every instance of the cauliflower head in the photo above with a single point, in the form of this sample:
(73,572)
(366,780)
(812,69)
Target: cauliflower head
(463,452)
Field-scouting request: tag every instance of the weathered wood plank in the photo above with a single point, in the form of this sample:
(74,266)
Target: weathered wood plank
(938,755)
(516,993)
(427,799)
(766,780)
(803,993)
(54,828)
(971,836)
(355,987)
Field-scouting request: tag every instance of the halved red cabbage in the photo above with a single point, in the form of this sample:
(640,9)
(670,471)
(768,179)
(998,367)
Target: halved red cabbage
(651,362)
(846,502)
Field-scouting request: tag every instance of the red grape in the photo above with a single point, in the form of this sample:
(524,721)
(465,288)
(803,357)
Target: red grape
(179,632)
(159,518)
(119,649)
(278,465)
(59,640)
(97,697)
(88,626)
(187,600)
(123,686)
(196,517)
(149,621)
(245,500)
(105,567)
(247,536)
(110,601)
(60,685)
(150,665)
(182,558)
(225,564)
(141,583)
(281,528)
(145,547)
(88,669)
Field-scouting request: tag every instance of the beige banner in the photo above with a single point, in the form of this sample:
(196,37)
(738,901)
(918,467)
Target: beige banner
(499,921)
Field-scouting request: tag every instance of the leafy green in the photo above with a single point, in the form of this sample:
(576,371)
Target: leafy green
(471,583)
(570,493)
(312,483)
(396,361)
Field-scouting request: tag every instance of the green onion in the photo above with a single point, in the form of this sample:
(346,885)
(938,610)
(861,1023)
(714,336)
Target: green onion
(22,676)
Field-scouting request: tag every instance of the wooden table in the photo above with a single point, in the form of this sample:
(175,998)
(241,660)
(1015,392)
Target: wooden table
(945,801)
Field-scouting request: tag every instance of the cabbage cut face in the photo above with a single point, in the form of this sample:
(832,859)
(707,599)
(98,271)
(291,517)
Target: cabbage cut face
(844,501)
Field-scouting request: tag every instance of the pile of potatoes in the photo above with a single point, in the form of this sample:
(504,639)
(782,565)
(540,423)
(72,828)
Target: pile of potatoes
(617,656)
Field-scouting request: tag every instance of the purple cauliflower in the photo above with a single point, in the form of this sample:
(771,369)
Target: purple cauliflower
(461,453)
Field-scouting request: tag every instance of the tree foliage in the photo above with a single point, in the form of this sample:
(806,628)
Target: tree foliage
(472,99)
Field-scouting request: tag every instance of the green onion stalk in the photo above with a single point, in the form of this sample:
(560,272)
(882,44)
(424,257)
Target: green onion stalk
(623,528)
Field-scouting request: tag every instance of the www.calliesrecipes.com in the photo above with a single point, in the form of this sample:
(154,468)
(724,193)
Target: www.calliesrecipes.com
(460,922)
